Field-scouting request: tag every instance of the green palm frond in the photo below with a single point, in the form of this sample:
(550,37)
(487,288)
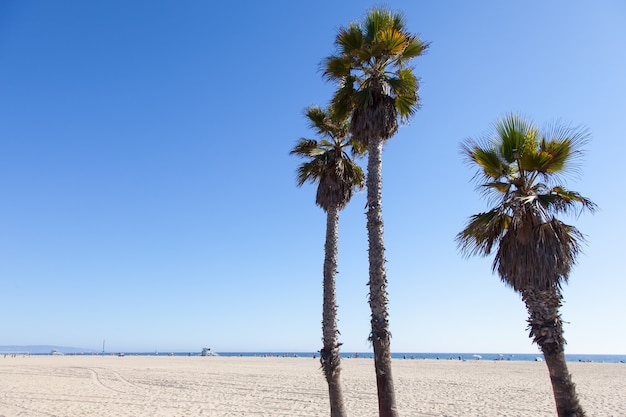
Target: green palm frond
(559,151)
(482,232)
(560,200)
(343,100)
(336,68)
(576,136)
(565,144)
(405,86)
(398,21)
(488,159)
(326,143)
(305,148)
(404,83)
(539,161)
(349,40)
(501,187)
(514,136)
(358,148)
(416,47)
(571,196)
(307,172)
(316,117)
(377,20)
(406,106)
(327,122)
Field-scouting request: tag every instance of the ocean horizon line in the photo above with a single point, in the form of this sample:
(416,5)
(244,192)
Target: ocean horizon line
(464,356)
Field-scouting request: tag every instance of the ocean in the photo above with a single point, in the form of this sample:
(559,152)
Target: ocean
(396,355)
(446,356)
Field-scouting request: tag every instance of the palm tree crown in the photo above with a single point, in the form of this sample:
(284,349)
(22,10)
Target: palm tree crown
(371,67)
(520,168)
(329,164)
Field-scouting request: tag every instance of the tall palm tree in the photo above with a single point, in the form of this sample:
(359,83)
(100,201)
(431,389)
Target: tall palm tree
(520,167)
(337,176)
(377,88)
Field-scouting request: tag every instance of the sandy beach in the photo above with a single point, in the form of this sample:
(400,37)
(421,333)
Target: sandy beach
(71,386)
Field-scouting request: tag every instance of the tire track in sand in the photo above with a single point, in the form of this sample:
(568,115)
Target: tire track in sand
(113,381)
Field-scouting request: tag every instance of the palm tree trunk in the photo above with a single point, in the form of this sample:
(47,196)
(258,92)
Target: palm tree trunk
(329,355)
(546,327)
(380,336)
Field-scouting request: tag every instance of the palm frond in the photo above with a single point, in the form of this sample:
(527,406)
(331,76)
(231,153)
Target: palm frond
(560,200)
(482,232)
(376,51)
(514,135)
(405,87)
(392,41)
(566,143)
(349,40)
(559,152)
(324,143)
(343,100)
(499,186)
(487,159)
(304,148)
(398,22)
(335,68)
(307,172)
(377,20)
(407,106)
(358,148)
(416,47)
(532,160)
(328,123)
(317,119)
(404,83)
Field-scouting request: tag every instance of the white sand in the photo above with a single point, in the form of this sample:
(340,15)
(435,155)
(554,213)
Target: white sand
(72,386)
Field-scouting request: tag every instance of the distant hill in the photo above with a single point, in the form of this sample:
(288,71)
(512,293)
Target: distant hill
(39,349)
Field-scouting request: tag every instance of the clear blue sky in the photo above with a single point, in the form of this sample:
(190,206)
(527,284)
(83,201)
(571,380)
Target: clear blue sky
(147,196)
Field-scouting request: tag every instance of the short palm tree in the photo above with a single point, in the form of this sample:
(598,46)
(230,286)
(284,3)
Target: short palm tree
(520,168)
(377,88)
(337,175)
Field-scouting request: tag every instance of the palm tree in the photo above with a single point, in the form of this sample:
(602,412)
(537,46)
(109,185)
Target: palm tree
(377,88)
(337,176)
(521,167)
